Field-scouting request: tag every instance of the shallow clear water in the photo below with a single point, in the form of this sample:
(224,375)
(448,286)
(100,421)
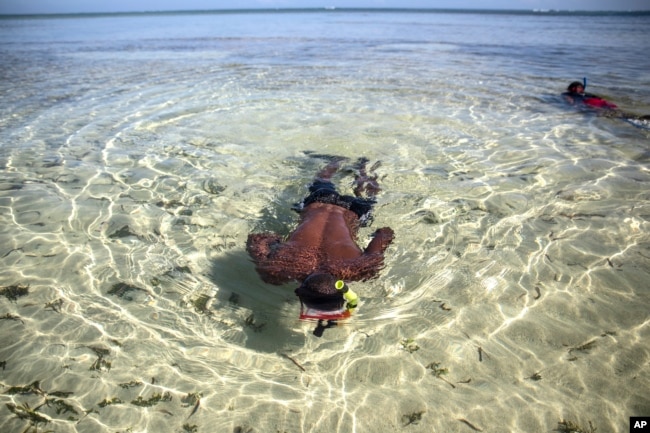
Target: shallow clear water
(137,153)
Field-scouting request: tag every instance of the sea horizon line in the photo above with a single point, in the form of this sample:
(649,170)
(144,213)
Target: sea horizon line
(325,9)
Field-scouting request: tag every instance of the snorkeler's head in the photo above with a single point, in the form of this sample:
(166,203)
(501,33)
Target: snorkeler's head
(319,291)
(576,87)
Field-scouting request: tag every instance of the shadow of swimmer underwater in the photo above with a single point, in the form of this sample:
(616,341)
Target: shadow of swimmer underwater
(322,253)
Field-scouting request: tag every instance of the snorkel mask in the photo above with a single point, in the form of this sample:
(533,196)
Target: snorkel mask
(312,309)
(322,297)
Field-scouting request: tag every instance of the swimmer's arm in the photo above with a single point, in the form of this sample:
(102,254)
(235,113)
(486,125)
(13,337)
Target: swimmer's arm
(370,262)
(569,99)
(382,238)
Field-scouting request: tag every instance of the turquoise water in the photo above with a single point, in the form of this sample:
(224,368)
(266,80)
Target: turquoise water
(138,151)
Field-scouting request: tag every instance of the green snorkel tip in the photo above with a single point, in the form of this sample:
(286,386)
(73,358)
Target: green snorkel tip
(348,294)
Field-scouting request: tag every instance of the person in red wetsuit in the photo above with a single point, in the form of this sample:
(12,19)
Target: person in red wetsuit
(322,252)
(575,94)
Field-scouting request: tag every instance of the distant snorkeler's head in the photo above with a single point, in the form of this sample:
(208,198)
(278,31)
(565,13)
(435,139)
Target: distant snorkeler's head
(576,87)
(319,291)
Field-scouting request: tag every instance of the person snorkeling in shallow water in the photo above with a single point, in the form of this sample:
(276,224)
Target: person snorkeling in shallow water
(576,96)
(322,253)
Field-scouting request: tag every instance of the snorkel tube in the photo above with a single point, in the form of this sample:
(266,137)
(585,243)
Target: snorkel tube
(329,319)
(584,83)
(351,298)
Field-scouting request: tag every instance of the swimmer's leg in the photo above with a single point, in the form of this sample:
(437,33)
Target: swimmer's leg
(326,173)
(333,164)
(322,189)
(363,182)
(324,156)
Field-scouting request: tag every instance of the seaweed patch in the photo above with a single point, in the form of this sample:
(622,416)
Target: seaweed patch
(25,412)
(55,305)
(409,345)
(131,384)
(13,317)
(54,400)
(153,400)
(124,291)
(192,399)
(202,304)
(61,407)
(14,292)
(411,418)
(535,376)
(100,363)
(439,372)
(564,426)
(107,402)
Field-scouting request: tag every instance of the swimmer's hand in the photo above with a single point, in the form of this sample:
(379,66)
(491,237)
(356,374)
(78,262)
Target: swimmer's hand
(382,238)
(260,245)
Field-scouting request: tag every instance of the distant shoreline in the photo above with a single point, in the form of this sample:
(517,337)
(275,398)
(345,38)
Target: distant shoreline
(541,12)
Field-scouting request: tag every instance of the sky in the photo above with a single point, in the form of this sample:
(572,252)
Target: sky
(94,6)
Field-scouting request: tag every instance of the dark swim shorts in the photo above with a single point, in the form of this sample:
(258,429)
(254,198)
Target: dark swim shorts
(325,192)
